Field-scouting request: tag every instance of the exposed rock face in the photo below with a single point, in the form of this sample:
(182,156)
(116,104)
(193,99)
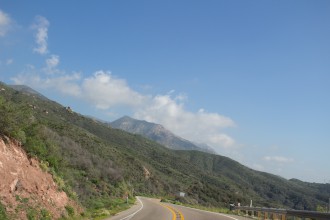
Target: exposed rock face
(146,173)
(24,186)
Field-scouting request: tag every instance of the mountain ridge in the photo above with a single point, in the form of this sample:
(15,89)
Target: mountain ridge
(156,132)
(27,90)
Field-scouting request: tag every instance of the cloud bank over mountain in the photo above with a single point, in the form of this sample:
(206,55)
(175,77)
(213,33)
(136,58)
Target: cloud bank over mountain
(105,91)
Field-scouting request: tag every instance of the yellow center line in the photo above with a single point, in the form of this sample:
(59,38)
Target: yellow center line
(171,210)
(175,213)
(181,215)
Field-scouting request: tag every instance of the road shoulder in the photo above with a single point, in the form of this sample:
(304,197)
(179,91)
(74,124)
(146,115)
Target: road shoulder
(128,212)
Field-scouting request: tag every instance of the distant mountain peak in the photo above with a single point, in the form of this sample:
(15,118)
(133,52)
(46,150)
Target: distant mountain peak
(156,132)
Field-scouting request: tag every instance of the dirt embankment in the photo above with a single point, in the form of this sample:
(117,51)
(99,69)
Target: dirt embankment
(26,190)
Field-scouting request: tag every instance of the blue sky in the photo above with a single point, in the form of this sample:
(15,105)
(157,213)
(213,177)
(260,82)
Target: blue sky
(249,78)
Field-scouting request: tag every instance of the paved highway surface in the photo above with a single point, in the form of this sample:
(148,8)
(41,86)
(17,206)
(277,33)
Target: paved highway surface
(153,209)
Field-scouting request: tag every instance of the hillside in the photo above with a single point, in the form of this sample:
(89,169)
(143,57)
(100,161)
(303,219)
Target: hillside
(261,187)
(156,133)
(100,164)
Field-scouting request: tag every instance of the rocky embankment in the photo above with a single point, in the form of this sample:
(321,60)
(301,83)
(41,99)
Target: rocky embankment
(26,191)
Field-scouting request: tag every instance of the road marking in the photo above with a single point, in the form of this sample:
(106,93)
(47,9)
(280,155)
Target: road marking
(131,215)
(171,210)
(224,215)
(176,215)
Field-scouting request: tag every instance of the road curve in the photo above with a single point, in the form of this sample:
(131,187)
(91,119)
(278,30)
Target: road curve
(153,209)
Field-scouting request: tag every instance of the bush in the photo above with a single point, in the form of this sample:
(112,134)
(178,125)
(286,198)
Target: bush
(3,214)
(45,215)
(70,210)
(31,214)
(19,135)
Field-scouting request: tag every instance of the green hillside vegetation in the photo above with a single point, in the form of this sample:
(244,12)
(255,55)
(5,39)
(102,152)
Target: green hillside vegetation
(98,165)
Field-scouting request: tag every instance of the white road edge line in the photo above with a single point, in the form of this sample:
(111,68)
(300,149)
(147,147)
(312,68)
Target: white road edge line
(208,212)
(131,215)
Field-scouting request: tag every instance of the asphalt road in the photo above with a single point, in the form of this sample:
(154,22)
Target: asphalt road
(153,209)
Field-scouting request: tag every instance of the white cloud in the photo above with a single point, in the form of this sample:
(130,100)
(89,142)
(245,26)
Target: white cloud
(41,24)
(4,23)
(53,61)
(9,61)
(65,83)
(101,89)
(51,65)
(219,140)
(278,159)
(27,77)
(257,166)
(106,91)
(200,127)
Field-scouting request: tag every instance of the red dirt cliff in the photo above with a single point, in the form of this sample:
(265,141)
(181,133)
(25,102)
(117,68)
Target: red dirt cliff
(25,189)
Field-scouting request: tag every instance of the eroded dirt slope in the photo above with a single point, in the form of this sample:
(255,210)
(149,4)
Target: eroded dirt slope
(25,189)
